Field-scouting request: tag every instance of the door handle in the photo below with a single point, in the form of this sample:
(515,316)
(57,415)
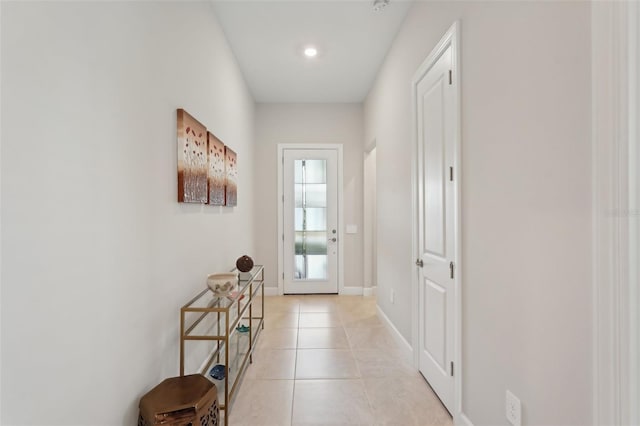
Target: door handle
(419,263)
(334,239)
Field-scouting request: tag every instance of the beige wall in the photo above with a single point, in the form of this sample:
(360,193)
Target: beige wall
(93,241)
(526,188)
(308,123)
(97,254)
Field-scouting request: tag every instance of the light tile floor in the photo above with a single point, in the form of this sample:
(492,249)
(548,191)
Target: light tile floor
(329,360)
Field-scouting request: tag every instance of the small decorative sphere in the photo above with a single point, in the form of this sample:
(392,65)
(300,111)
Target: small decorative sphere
(244,263)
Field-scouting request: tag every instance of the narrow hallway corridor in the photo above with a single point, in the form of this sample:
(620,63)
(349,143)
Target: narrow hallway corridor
(330,360)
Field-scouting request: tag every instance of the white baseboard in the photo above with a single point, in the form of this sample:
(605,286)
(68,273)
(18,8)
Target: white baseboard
(463,420)
(346,291)
(406,348)
(271,291)
(369,291)
(351,291)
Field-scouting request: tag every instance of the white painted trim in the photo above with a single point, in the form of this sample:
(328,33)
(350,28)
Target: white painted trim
(463,420)
(279,160)
(369,291)
(280,202)
(614,46)
(352,291)
(405,347)
(1,238)
(595,359)
(341,231)
(604,392)
(634,207)
(370,146)
(457,55)
(450,39)
(271,291)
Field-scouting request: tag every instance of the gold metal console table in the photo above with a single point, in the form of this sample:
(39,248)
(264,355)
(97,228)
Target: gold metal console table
(223,331)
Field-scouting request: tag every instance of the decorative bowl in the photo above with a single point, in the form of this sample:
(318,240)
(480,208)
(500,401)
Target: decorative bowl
(218,372)
(222,284)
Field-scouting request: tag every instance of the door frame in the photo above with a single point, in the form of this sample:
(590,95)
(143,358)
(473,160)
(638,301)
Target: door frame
(615,45)
(280,200)
(450,39)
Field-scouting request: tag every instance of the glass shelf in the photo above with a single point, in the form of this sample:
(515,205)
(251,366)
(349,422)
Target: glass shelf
(209,332)
(239,347)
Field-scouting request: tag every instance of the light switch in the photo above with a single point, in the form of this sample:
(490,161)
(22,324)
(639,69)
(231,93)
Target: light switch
(352,229)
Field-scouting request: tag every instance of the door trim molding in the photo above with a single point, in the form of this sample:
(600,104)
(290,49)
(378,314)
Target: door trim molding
(616,304)
(450,39)
(280,158)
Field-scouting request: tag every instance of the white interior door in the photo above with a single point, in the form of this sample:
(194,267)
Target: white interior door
(310,221)
(436,225)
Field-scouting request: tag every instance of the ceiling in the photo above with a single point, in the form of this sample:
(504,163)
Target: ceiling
(268,38)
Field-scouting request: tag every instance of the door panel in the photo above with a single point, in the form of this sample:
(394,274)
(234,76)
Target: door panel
(435,323)
(436,221)
(310,221)
(433,133)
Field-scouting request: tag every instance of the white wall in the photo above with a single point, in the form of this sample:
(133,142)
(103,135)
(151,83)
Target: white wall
(525,200)
(308,123)
(97,254)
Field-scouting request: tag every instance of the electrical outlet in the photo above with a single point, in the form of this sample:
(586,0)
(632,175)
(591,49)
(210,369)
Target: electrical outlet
(392,296)
(513,409)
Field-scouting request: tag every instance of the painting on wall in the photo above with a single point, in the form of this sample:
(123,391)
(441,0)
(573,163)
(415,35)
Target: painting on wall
(192,159)
(231,166)
(216,170)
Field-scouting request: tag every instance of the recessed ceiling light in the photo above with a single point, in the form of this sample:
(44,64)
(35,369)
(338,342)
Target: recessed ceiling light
(310,52)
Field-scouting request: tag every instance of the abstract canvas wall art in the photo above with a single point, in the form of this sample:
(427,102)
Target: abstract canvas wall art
(216,170)
(192,159)
(207,169)
(231,165)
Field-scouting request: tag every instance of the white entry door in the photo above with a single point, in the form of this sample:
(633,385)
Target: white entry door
(435,121)
(310,221)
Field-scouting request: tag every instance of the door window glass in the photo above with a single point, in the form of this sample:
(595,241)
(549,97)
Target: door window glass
(310,220)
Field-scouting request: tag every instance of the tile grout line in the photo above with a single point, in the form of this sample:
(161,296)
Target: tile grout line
(360,378)
(295,368)
(372,395)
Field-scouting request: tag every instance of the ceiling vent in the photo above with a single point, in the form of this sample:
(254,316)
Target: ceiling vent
(380,5)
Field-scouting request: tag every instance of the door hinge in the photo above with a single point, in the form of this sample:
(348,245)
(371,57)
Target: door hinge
(451,268)
(283,198)
(451,174)
(282,237)
(452,368)
(450,77)
(283,275)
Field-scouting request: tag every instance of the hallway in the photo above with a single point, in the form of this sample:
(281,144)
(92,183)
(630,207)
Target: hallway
(330,360)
